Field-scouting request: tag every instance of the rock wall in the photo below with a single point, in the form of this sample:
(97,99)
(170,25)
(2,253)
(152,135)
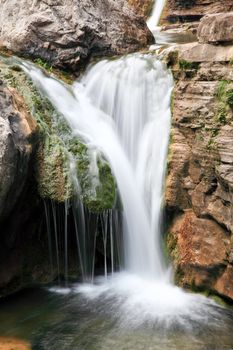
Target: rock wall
(142,7)
(180,11)
(199,192)
(35,169)
(66,33)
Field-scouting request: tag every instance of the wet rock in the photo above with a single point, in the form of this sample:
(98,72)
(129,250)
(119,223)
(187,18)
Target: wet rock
(216,28)
(67,33)
(13,344)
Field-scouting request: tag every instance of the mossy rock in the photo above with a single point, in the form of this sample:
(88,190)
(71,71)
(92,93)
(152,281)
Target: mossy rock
(53,170)
(57,145)
(97,184)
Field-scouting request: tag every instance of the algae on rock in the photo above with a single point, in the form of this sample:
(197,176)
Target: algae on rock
(58,147)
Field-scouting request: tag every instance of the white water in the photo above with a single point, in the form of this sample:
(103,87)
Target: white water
(153,21)
(122,108)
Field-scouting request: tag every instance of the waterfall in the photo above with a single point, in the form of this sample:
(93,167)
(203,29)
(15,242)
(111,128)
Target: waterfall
(156,13)
(122,108)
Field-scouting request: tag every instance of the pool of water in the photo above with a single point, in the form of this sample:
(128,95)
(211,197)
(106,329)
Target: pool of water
(83,317)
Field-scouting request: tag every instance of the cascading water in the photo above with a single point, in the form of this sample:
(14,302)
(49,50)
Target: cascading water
(122,109)
(135,91)
(156,13)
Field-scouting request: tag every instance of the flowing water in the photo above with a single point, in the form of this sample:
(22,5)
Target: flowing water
(156,13)
(121,109)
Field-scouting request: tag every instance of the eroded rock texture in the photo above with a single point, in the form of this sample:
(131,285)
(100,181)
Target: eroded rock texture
(199,193)
(66,33)
(16,144)
(20,242)
(178,11)
(142,7)
(216,28)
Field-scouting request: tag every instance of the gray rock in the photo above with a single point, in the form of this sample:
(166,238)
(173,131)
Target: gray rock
(66,33)
(15,148)
(216,28)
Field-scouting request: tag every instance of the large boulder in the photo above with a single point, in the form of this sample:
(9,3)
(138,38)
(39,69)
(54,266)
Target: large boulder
(65,33)
(216,28)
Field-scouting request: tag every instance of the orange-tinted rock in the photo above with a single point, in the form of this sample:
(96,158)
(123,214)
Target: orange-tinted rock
(200,251)
(142,7)
(13,344)
(224,283)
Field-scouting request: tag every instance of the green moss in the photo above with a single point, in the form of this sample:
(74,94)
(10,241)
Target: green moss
(57,146)
(229,96)
(53,173)
(186,65)
(43,64)
(98,187)
(173,247)
(224,97)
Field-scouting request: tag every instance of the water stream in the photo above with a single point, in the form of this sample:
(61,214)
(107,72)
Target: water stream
(121,109)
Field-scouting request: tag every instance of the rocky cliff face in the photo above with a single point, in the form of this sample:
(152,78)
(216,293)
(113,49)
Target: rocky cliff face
(179,11)
(199,192)
(142,7)
(67,33)
(35,146)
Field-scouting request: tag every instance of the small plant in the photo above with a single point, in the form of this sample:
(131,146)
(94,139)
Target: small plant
(221,117)
(44,64)
(185,65)
(229,96)
(221,90)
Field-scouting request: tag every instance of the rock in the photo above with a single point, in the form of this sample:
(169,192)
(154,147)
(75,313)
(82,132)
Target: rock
(199,192)
(13,344)
(200,251)
(216,28)
(16,142)
(142,7)
(196,52)
(179,11)
(224,283)
(67,33)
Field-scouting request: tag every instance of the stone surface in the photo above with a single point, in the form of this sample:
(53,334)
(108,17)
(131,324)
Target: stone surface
(13,344)
(16,130)
(199,192)
(216,28)
(196,52)
(200,251)
(142,7)
(179,11)
(67,33)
